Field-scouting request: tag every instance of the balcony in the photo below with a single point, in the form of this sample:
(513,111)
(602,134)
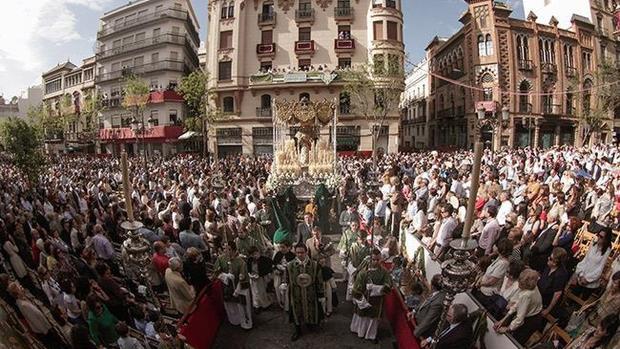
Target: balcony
(571,72)
(116,27)
(525,64)
(113,102)
(304,47)
(551,109)
(160,39)
(525,108)
(343,13)
(344,45)
(266,50)
(304,15)
(548,68)
(267,18)
(142,69)
(263,112)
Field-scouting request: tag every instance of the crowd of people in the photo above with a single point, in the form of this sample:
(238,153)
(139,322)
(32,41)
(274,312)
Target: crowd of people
(62,272)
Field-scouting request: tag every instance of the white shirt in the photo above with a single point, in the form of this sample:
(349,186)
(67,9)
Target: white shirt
(591,266)
(444,236)
(504,210)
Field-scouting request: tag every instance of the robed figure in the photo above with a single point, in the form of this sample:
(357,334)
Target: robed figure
(232,270)
(305,291)
(370,286)
(324,204)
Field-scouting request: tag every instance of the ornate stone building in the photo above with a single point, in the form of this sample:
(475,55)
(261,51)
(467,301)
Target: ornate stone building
(261,50)
(543,74)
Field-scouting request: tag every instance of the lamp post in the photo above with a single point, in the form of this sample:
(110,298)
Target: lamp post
(139,126)
(529,122)
(459,273)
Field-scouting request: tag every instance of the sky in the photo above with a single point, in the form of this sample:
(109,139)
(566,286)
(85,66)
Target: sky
(36,35)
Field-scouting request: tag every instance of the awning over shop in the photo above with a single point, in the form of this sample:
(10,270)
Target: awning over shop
(156,133)
(188,135)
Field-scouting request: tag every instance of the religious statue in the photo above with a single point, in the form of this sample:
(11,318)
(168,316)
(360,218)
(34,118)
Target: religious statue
(304,144)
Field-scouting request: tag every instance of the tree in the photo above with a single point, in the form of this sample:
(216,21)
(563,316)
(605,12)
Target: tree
(598,102)
(89,115)
(374,93)
(23,142)
(199,97)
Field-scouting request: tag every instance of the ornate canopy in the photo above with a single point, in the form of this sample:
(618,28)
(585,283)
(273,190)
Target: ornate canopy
(304,112)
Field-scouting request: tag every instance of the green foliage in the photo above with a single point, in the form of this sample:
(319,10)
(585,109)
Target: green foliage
(89,115)
(23,142)
(200,100)
(372,96)
(136,92)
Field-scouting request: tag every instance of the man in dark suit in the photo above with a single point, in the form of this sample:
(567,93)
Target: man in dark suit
(457,334)
(304,229)
(428,313)
(542,246)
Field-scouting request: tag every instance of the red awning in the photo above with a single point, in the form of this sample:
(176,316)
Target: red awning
(153,134)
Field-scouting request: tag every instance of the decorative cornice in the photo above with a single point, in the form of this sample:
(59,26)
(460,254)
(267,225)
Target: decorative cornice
(285,5)
(324,3)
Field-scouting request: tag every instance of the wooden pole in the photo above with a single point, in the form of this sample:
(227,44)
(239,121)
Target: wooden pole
(126,187)
(473,192)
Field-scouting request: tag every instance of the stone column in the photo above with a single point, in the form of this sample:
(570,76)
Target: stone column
(556,138)
(536,134)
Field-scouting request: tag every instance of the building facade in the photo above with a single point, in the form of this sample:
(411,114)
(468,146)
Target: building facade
(413,130)
(19,106)
(66,87)
(543,74)
(157,41)
(263,50)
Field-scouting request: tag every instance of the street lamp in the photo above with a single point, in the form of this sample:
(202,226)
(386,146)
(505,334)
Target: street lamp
(139,126)
(458,273)
(529,122)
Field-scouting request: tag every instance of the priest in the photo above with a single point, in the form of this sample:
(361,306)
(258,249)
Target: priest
(305,291)
(232,270)
(371,285)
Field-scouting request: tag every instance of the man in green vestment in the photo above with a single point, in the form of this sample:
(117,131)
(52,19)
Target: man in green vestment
(357,252)
(305,291)
(244,241)
(370,286)
(232,270)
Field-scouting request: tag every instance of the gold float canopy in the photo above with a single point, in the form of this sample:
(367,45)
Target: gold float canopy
(304,111)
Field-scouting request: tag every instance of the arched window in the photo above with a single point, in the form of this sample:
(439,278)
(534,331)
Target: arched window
(224,13)
(228,104)
(231,9)
(523,49)
(489,45)
(524,97)
(481,46)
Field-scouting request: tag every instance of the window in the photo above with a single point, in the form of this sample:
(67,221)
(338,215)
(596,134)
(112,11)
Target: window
(547,50)
(155,115)
(265,102)
(547,101)
(586,102)
(224,13)
(173,116)
(228,104)
(392,30)
(225,71)
(344,63)
(390,3)
(481,46)
(344,32)
(305,5)
(489,45)
(379,64)
(231,9)
(568,56)
(126,63)
(267,8)
(138,61)
(266,37)
(377,30)
(305,34)
(377,3)
(140,37)
(304,64)
(487,94)
(587,61)
(127,40)
(345,103)
(393,65)
(524,98)
(523,49)
(154,84)
(570,102)
(156,32)
(226,38)
(265,66)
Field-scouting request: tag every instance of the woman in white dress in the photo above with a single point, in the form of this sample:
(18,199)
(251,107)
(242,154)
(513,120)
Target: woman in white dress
(19,268)
(587,276)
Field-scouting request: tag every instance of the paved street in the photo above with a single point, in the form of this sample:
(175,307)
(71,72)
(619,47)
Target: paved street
(272,330)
